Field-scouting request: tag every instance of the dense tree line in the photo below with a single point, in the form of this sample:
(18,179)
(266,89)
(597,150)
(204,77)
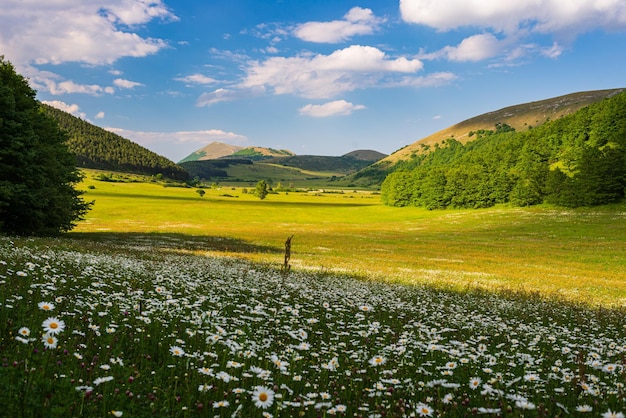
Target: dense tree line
(100,149)
(37,171)
(577,160)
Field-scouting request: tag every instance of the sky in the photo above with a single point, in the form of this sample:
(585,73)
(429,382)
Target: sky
(321,77)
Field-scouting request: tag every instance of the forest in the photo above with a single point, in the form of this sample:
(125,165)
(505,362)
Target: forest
(100,149)
(577,160)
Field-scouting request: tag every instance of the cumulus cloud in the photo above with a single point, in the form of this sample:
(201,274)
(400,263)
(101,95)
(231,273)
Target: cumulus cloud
(337,107)
(100,115)
(87,31)
(73,109)
(358,21)
(126,84)
(474,48)
(543,16)
(324,76)
(197,79)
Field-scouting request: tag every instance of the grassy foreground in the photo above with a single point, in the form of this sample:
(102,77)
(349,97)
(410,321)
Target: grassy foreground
(575,255)
(134,315)
(90,329)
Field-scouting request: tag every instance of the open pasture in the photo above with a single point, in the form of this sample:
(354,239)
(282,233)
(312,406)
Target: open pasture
(134,315)
(572,254)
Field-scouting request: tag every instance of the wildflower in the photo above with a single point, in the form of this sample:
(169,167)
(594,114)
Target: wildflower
(50,341)
(377,360)
(46,306)
(424,410)
(584,408)
(100,380)
(117,413)
(263,397)
(447,399)
(205,388)
(24,332)
(53,325)
(365,308)
(611,414)
(474,382)
(221,404)
(341,408)
(177,351)
(524,404)
(610,368)
(205,371)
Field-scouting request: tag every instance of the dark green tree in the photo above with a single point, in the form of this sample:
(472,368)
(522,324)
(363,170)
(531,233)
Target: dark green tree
(37,172)
(262,189)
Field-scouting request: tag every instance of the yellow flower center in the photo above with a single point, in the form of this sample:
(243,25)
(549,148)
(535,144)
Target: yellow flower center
(263,396)
(54,325)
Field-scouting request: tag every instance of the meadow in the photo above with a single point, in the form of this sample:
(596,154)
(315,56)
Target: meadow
(165,303)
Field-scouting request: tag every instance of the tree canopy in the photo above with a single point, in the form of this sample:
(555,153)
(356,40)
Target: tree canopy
(100,149)
(37,172)
(577,160)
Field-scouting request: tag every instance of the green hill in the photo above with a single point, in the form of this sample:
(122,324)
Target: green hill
(216,150)
(576,160)
(521,117)
(100,149)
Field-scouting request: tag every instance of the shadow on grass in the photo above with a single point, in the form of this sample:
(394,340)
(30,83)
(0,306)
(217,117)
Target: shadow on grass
(175,242)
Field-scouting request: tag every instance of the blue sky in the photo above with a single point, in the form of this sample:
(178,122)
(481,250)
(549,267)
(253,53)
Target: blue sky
(321,77)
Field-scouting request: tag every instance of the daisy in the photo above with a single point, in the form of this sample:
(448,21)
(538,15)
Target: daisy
(611,414)
(263,397)
(46,306)
(100,380)
(50,341)
(424,410)
(53,325)
(474,382)
(221,404)
(377,360)
(584,408)
(117,413)
(177,351)
(24,332)
(204,388)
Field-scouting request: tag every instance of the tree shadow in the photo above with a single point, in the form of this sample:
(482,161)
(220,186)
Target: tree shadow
(176,242)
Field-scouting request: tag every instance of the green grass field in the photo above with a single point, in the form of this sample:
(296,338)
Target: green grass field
(146,311)
(571,254)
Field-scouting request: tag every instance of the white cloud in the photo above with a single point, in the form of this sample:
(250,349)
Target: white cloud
(358,21)
(228,95)
(337,107)
(73,109)
(88,31)
(197,79)
(475,48)
(543,16)
(126,84)
(100,115)
(323,76)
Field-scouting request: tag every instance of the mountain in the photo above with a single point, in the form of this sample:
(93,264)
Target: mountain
(366,155)
(572,161)
(212,151)
(217,150)
(100,149)
(521,117)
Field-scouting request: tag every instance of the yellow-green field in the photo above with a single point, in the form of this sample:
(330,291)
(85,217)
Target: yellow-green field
(576,255)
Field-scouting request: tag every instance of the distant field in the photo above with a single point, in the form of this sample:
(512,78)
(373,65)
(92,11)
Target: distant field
(576,255)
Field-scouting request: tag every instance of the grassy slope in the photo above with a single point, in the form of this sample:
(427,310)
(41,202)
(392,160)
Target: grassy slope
(573,254)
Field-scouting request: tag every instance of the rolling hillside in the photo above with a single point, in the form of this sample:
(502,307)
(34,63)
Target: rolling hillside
(216,150)
(522,117)
(100,149)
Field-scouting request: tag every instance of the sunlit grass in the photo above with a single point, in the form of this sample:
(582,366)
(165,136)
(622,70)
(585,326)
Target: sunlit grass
(152,333)
(576,255)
